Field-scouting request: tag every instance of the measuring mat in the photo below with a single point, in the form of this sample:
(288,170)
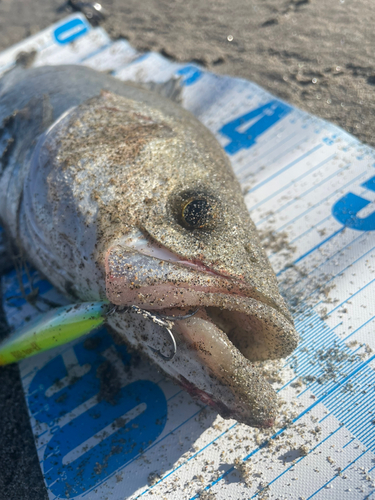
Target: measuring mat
(310,188)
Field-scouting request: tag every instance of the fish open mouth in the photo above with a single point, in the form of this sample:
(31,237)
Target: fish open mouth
(216,346)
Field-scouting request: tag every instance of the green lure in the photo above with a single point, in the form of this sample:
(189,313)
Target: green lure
(54,328)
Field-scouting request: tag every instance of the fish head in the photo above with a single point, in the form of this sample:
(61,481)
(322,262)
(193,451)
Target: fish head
(194,246)
(149,191)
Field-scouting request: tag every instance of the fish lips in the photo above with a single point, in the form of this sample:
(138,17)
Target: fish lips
(257,329)
(231,330)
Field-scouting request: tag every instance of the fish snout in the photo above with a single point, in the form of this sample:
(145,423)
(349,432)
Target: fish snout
(216,348)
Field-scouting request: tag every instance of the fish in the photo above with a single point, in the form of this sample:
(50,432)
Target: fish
(119,196)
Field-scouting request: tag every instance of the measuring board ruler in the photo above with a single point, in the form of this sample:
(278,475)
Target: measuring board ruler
(310,188)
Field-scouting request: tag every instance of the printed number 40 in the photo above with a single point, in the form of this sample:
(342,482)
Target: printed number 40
(261,119)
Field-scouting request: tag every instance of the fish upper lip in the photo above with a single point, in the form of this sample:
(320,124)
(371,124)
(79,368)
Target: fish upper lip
(199,266)
(143,243)
(232,286)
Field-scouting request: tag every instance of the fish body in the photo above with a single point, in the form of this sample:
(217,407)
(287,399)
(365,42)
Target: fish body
(117,194)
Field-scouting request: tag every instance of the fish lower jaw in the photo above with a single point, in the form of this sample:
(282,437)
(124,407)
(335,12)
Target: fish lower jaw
(236,389)
(206,364)
(223,410)
(216,348)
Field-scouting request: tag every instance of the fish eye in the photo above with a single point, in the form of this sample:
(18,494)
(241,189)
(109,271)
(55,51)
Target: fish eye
(197,213)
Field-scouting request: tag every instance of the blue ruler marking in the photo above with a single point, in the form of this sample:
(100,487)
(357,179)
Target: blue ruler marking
(336,476)
(348,443)
(276,159)
(333,193)
(287,167)
(291,183)
(308,191)
(297,461)
(147,449)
